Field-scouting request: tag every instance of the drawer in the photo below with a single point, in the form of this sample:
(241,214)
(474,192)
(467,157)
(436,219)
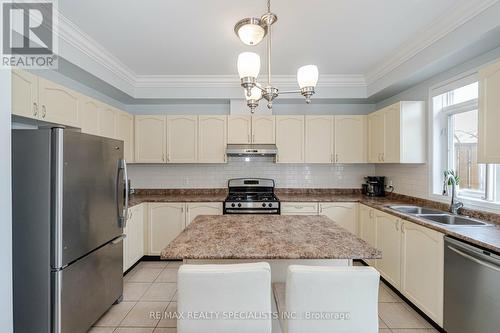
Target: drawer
(299,208)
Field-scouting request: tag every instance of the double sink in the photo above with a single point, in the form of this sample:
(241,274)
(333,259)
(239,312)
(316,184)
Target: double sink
(438,216)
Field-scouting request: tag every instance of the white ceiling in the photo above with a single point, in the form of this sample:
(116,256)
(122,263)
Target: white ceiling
(195,37)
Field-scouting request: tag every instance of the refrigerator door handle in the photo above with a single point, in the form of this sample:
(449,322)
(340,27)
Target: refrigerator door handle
(122,215)
(118,239)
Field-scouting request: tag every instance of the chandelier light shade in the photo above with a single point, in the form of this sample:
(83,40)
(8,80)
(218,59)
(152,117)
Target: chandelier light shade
(250,31)
(307,76)
(248,65)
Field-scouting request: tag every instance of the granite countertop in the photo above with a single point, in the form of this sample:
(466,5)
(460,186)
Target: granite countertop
(267,237)
(178,195)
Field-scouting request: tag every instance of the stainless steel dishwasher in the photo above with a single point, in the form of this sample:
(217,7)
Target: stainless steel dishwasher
(471,288)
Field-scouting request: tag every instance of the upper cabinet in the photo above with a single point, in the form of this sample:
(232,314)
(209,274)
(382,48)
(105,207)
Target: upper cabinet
(150,139)
(397,134)
(350,139)
(251,129)
(263,129)
(489,114)
(182,139)
(290,139)
(90,115)
(212,139)
(239,129)
(107,121)
(25,94)
(125,132)
(319,139)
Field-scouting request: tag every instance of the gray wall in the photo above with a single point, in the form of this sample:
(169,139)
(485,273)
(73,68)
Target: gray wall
(5,204)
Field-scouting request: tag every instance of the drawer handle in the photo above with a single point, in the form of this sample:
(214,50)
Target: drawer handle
(35,109)
(44,111)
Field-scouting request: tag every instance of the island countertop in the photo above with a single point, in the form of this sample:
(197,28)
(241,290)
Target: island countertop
(267,237)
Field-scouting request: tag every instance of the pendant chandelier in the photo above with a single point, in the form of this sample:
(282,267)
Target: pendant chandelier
(252,31)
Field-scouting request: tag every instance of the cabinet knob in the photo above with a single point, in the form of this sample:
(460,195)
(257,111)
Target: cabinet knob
(44,111)
(35,109)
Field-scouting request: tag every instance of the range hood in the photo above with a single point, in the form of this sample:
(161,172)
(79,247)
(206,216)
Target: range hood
(251,150)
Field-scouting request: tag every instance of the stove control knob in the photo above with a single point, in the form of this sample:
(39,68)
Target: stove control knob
(270,205)
(232,205)
(264,204)
(239,205)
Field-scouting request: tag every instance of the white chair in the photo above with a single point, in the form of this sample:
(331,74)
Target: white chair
(329,299)
(223,290)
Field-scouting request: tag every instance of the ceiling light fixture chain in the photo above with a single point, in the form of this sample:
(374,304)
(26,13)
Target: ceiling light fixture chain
(251,31)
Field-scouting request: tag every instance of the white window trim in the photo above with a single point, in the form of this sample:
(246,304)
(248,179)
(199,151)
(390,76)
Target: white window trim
(435,90)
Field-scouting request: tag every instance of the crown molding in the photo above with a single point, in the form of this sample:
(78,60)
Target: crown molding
(438,29)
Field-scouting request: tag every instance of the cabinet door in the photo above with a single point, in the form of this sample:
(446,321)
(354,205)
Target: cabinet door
(489,114)
(368,229)
(344,214)
(212,139)
(239,129)
(350,139)
(319,139)
(126,241)
(58,104)
(202,208)
(375,137)
(290,139)
(263,129)
(166,221)
(150,141)
(90,115)
(107,121)
(125,132)
(299,208)
(25,94)
(136,249)
(389,242)
(422,269)
(392,139)
(182,133)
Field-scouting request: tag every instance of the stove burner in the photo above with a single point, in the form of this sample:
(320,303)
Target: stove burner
(251,196)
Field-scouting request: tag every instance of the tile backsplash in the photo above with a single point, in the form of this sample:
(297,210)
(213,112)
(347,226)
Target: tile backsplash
(407,179)
(217,175)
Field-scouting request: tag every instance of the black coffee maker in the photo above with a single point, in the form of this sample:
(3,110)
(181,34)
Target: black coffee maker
(374,186)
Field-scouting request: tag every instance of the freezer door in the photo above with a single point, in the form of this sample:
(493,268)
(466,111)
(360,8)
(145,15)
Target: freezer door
(88,194)
(86,289)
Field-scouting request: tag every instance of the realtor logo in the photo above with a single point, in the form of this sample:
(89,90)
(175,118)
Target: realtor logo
(28,35)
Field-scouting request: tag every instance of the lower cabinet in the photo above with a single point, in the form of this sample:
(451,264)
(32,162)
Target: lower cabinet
(202,208)
(422,269)
(368,229)
(388,238)
(299,208)
(133,244)
(342,213)
(167,220)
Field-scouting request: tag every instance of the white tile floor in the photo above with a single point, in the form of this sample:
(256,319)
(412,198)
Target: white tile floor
(152,286)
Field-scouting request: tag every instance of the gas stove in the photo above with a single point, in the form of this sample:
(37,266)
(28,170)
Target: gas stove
(251,196)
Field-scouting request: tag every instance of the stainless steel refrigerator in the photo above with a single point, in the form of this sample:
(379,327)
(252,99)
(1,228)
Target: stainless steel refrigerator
(70,199)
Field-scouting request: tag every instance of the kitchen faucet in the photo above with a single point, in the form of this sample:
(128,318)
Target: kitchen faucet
(455,204)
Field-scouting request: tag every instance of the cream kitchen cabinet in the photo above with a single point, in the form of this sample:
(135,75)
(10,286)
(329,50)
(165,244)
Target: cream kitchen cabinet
(90,115)
(125,132)
(251,129)
(344,214)
(194,209)
(133,244)
(25,94)
(165,222)
(397,134)
(150,139)
(58,104)
(422,269)
(290,139)
(239,129)
(368,229)
(388,238)
(107,121)
(212,139)
(489,114)
(182,139)
(263,129)
(299,208)
(350,142)
(319,139)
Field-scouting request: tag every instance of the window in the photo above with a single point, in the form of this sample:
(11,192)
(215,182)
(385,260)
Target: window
(456,131)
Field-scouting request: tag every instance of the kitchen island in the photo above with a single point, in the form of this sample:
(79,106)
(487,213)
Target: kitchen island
(278,239)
